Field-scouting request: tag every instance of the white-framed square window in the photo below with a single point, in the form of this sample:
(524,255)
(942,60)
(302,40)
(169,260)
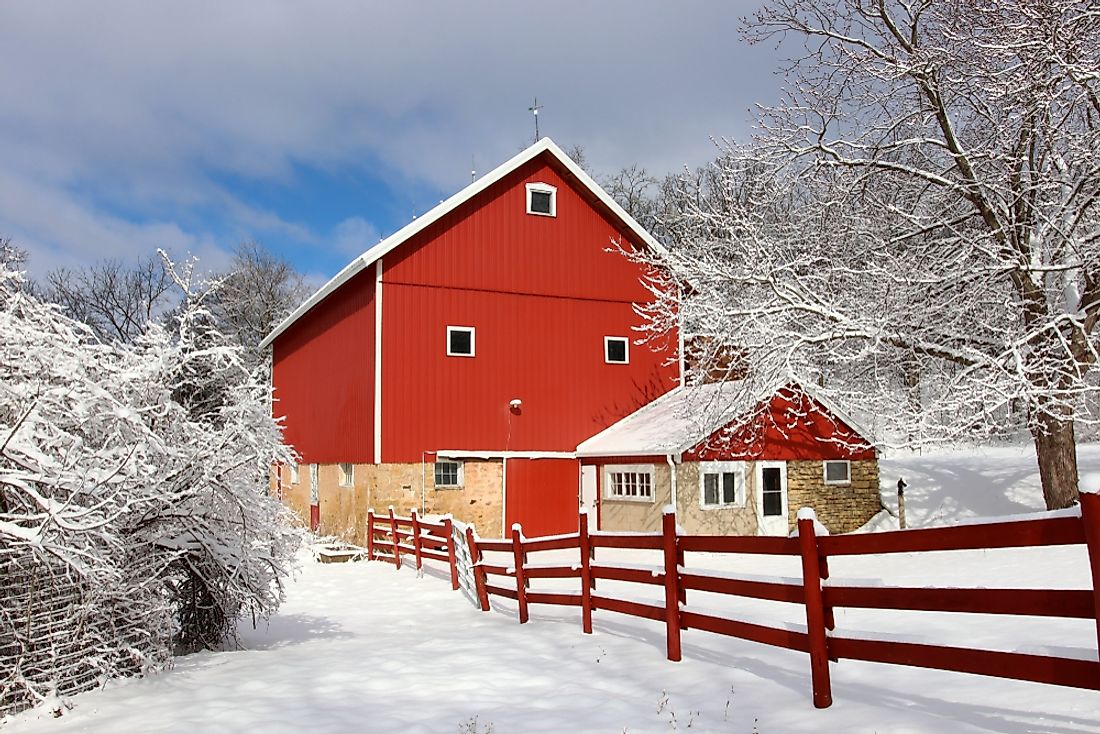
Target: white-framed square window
(347,474)
(542,199)
(838,472)
(629,482)
(722,484)
(448,474)
(295,475)
(616,350)
(460,341)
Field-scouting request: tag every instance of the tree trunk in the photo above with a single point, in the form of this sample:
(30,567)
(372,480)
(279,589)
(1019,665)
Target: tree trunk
(1056,450)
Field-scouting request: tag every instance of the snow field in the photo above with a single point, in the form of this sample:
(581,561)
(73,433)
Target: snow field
(361,647)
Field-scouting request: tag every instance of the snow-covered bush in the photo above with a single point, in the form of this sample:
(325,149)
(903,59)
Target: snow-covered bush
(133,497)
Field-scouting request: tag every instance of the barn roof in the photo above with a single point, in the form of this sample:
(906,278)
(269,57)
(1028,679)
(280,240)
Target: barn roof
(684,417)
(395,240)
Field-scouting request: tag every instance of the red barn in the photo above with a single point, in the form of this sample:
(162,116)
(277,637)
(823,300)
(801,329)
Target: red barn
(455,366)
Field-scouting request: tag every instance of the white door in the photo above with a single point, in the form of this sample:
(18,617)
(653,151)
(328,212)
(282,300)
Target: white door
(771,498)
(588,494)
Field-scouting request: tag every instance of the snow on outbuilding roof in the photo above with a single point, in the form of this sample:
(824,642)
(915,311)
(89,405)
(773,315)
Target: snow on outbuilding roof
(682,418)
(546,145)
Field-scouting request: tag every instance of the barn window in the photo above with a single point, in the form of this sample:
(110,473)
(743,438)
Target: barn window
(448,474)
(460,341)
(347,474)
(838,472)
(721,484)
(630,482)
(294,475)
(616,350)
(542,199)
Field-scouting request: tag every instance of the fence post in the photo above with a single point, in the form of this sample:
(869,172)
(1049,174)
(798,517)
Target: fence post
(521,577)
(479,572)
(1090,516)
(416,540)
(370,534)
(584,543)
(815,609)
(396,540)
(449,531)
(672,584)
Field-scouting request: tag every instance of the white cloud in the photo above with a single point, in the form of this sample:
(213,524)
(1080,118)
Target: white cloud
(151,105)
(354,236)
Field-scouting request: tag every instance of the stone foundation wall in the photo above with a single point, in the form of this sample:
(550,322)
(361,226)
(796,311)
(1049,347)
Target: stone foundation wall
(343,510)
(840,507)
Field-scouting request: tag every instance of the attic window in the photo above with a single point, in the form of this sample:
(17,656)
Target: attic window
(460,341)
(616,350)
(542,199)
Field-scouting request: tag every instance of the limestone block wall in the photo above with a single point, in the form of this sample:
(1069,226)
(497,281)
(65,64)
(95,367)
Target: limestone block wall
(343,510)
(636,515)
(698,520)
(840,507)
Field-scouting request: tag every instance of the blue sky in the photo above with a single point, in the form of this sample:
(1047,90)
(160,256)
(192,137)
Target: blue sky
(319,127)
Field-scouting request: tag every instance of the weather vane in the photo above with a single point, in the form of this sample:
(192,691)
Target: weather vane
(535,111)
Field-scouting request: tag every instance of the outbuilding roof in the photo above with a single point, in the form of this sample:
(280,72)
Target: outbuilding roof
(687,415)
(545,145)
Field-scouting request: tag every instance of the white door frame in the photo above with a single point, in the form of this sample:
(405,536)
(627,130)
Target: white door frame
(778,524)
(589,493)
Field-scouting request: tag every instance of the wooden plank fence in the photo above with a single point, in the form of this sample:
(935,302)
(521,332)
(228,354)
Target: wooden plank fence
(813,592)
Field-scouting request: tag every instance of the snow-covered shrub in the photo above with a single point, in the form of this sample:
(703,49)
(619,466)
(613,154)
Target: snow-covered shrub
(133,497)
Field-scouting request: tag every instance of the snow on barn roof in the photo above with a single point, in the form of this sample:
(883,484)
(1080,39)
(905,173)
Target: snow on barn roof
(546,145)
(685,416)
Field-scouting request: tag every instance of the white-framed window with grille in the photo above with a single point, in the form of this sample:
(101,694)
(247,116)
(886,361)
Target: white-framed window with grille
(347,474)
(721,484)
(838,471)
(448,474)
(629,482)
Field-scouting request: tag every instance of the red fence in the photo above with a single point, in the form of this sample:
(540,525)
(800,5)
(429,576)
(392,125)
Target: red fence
(818,598)
(412,536)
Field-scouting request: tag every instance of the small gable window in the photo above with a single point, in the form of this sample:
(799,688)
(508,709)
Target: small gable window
(542,199)
(838,472)
(616,350)
(460,341)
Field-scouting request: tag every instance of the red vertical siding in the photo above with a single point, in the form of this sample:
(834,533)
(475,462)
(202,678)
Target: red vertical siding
(796,428)
(324,376)
(542,293)
(542,496)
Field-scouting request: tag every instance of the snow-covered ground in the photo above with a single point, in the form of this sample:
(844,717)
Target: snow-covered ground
(361,647)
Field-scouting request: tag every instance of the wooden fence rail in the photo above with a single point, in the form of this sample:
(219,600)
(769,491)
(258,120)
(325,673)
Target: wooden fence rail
(388,539)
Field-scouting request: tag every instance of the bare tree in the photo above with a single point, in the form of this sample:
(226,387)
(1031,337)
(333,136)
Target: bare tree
(116,300)
(925,204)
(259,291)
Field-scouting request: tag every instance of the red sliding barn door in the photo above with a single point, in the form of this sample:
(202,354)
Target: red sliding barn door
(542,496)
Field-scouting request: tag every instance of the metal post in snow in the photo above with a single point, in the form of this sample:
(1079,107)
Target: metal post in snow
(815,609)
(901,502)
(672,584)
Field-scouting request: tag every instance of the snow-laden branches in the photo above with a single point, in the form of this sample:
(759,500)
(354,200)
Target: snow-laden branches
(133,482)
(917,228)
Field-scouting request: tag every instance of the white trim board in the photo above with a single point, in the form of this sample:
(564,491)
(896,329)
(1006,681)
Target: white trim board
(467,454)
(546,145)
